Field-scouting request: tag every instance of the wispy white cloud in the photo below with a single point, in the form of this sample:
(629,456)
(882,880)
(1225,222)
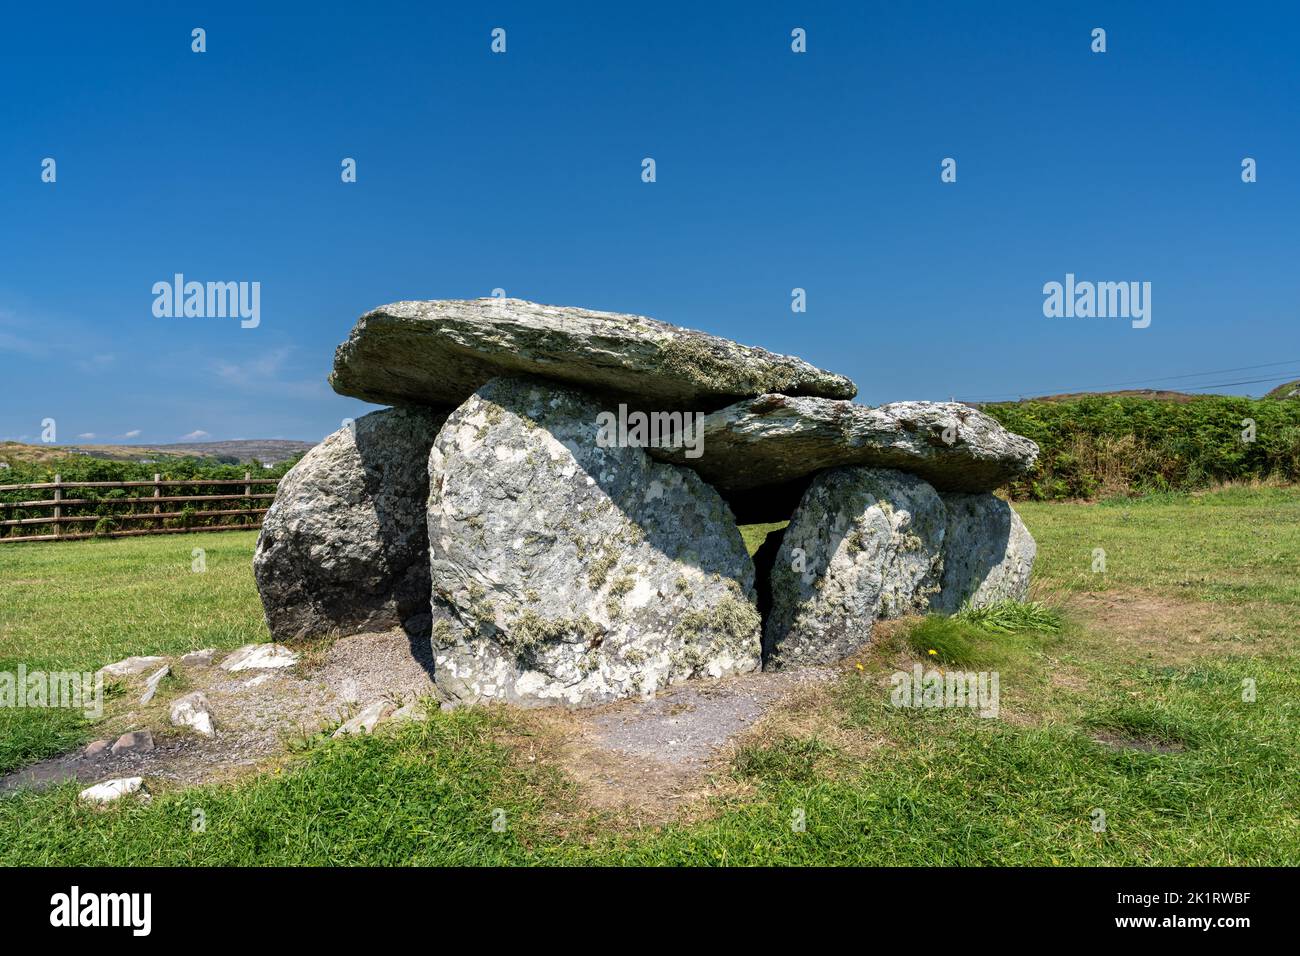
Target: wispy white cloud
(97,363)
(197,435)
(85,436)
(133,433)
(263,374)
(19,338)
(258,371)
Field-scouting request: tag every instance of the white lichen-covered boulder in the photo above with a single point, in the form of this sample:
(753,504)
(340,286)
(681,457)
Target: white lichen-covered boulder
(343,547)
(988,553)
(864,543)
(566,572)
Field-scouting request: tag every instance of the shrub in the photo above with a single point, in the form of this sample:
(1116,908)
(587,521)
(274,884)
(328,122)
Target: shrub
(1108,445)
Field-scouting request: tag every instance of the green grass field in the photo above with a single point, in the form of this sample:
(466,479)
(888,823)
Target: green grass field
(1133,709)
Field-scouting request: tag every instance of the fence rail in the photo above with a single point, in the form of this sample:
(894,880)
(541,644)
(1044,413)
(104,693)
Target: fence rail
(110,513)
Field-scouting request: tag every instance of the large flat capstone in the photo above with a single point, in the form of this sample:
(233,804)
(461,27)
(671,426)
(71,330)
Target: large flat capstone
(567,572)
(774,438)
(439,352)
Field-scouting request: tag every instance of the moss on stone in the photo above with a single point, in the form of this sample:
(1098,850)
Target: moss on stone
(732,621)
(600,568)
(529,632)
(443,635)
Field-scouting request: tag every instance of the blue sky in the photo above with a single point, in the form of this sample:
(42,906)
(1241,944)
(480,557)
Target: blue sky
(522,171)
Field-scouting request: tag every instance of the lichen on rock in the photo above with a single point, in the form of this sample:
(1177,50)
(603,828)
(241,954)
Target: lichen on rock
(568,587)
(864,543)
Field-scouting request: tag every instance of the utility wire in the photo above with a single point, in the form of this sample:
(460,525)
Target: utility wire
(1148,381)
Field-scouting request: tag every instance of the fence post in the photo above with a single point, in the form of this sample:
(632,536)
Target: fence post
(248,492)
(58,508)
(157,492)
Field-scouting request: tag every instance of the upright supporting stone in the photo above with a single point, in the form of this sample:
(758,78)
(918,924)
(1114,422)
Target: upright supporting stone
(988,553)
(568,572)
(343,547)
(864,543)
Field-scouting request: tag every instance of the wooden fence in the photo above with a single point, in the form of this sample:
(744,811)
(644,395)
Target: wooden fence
(107,515)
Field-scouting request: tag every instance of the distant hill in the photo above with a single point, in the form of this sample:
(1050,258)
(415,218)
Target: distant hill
(1289,390)
(250,451)
(1155,393)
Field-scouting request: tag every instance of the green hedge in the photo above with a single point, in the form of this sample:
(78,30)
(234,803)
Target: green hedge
(1123,445)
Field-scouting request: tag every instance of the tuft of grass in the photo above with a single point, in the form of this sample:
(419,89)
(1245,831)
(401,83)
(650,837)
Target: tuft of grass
(788,760)
(945,640)
(1006,617)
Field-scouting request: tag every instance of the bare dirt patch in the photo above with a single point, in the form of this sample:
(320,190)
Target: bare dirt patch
(1156,627)
(258,714)
(646,760)
(642,760)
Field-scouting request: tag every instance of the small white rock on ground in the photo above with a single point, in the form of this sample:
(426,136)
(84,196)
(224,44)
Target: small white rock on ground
(201,658)
(193,711)
(111,790)
(259,657)
(411,710)
(151,685)
(367,720)
(131,666)
(133,741)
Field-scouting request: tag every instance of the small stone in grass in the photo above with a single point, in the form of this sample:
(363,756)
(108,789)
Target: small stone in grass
(364,722)
(193,711)
(135,741)
(259,656)
(151,685)
(130,667)
(111,790)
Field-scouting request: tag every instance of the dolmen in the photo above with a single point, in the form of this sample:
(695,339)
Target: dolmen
(552,502)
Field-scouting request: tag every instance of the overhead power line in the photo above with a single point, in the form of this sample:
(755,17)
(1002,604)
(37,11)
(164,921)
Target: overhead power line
(1152,381)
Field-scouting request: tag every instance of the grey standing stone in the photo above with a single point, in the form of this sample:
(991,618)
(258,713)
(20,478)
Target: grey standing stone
(988,553)
(343,547)
(864,543)
(439,352)
(571,573)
